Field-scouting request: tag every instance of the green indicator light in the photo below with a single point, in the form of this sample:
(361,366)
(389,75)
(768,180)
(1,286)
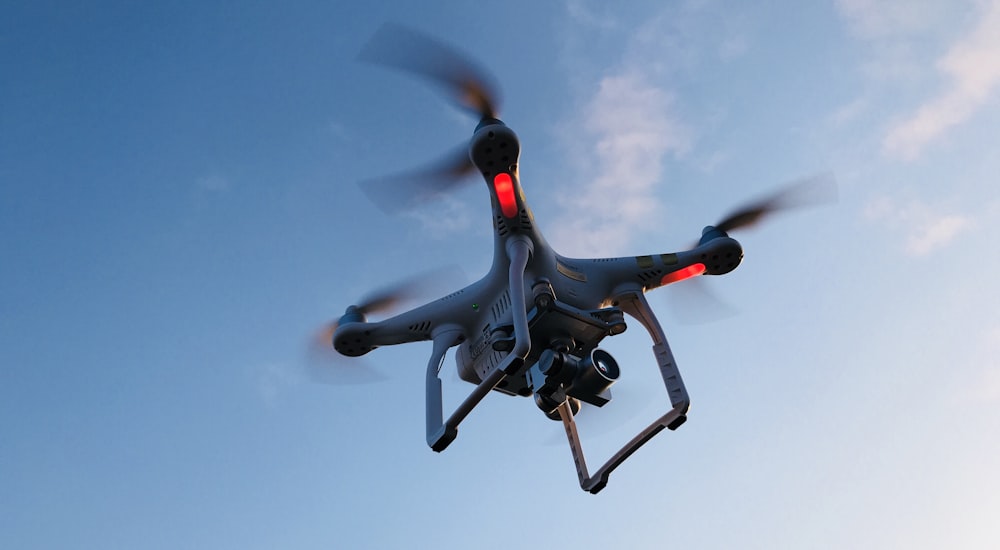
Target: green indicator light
(475,306)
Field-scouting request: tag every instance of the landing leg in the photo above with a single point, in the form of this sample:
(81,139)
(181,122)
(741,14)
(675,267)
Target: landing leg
(634,304)
(441,433)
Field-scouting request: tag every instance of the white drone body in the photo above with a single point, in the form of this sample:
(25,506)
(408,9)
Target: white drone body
(531,326)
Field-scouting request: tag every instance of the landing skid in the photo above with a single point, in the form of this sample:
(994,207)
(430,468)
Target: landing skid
(594,484)
(634,303)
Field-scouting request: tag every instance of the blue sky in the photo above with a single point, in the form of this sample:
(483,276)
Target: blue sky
(179,213)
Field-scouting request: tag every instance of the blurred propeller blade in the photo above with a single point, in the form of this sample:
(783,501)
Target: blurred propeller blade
(415,287)
(469,86)
(326,366)
(404,191)
(692,300)
(693,303)
(804,192)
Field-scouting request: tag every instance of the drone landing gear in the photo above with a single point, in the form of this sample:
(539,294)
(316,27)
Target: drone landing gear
(635,304)
(441,433)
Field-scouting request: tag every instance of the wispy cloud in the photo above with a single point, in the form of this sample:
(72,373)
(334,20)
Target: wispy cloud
(849,112)
(926,229)
(631,127)
(631,123)
(214,183)
(338,131)
(445,217)
(971,68)
(581,13)
(881,19)
(272,380)
(936,233)
(889,30)
(209,189)
(899,34)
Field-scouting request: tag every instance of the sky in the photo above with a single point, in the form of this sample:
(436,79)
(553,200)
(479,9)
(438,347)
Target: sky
(179,213)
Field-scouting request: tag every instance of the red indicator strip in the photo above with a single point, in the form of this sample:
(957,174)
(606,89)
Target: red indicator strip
(504,188)
(686,273)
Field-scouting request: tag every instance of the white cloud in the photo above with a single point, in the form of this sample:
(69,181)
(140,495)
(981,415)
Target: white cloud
(585,15)
(936,233)
(214,184)
(926,229)
(972,71)
(733,47)
(902,35)
(273,379)
(882,19)
(892,31)
(630,120)
(445,216)
(339,131)
(849,112)
(630,128)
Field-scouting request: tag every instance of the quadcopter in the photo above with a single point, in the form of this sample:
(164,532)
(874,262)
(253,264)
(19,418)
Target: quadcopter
(532,325)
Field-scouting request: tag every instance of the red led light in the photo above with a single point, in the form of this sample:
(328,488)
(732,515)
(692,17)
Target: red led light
(692,270)
(504,188)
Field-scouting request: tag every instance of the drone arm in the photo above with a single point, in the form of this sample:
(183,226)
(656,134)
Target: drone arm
(356,336)
(634,303)
(596,279)
(441,434)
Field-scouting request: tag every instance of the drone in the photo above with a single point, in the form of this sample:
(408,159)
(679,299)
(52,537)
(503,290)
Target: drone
(532,325)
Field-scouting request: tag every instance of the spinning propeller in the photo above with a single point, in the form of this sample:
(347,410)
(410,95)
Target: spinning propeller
(471,87)
(693,302)
(329,367)
(468,86)
(810,191)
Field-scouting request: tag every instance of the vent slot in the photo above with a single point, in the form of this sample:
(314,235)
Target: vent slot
(421,327)
(501,306)
(525,219)
(647,276)
(452,295)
